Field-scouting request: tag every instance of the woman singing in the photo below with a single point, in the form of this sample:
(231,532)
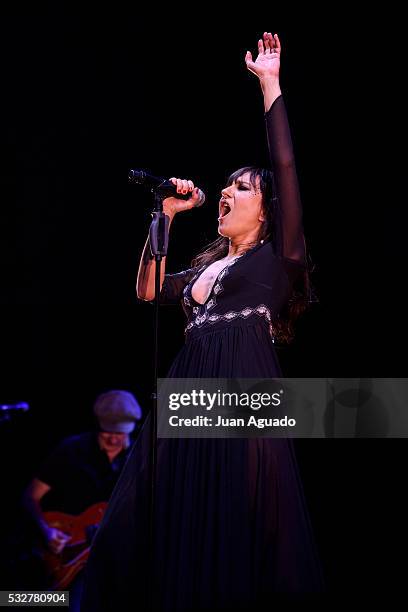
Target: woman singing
(232,528)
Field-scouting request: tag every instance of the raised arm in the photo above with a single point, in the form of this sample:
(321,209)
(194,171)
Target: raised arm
(266,67)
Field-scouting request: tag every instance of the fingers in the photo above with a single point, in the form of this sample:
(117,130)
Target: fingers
(183,185)
(250,64)
(271,43)
(195,196)
(268,42)
(61,538)
(58,542)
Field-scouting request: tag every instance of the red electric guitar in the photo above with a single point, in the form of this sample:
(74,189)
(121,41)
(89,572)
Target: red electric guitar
(63,567)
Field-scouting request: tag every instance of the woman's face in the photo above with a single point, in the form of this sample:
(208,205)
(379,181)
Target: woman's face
(240,208)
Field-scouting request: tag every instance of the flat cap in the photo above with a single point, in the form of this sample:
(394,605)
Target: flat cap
(117,411)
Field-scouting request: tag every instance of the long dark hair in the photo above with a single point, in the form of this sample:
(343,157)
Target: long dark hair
(302,292)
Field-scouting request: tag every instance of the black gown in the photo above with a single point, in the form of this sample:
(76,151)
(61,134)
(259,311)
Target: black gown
(232,527)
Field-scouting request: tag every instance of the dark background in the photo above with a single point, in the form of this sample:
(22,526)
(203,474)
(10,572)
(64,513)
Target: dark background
(88,94)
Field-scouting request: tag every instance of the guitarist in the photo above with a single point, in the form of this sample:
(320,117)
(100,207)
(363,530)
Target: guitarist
(83,471)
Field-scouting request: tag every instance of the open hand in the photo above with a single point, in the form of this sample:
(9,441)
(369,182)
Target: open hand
(267,63)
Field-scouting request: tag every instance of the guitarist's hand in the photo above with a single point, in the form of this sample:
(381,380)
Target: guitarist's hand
(56,539)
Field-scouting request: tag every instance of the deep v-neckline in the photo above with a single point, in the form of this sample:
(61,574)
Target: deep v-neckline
(201,272)
(216,280)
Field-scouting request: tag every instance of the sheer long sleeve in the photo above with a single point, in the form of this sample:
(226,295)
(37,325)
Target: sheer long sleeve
(289,234)
(173,286)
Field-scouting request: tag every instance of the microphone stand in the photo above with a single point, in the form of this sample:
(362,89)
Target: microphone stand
(158,239)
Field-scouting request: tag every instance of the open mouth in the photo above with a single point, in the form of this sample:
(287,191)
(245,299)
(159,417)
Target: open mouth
(225,209)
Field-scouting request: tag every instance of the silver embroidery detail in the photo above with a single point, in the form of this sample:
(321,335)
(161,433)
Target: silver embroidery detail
(210,304)
(186,300)
(200,319)
(217,287)
(261,310)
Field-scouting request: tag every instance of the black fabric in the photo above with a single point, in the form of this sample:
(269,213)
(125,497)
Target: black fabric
(290,241)
(79,474)
(232,528)
(289,244)
(251,290)
(173,286)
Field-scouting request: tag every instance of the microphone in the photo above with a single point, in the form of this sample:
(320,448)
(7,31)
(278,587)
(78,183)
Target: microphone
(21,406)
(162,185)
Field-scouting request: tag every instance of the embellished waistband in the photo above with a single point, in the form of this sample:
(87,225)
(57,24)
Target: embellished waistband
(206,319)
